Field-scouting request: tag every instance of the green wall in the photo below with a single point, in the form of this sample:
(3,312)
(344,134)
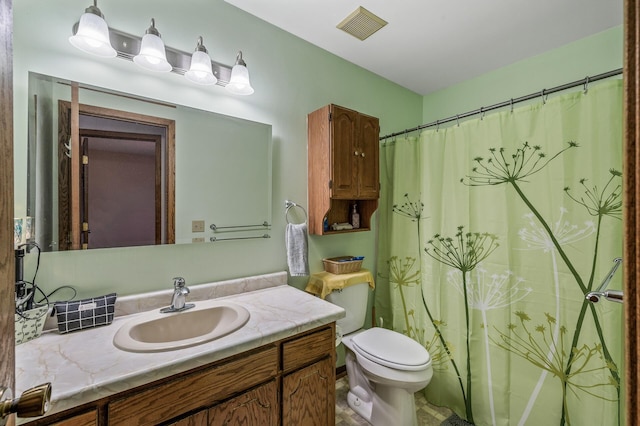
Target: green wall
(589,56)
(291,78)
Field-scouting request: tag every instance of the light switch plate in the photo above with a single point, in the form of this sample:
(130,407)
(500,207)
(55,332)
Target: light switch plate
(197,226)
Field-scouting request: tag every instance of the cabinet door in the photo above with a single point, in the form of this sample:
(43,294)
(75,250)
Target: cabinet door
(308,396)
(258,407)
(368,162)
(343,152)
(86,419)
(198,419)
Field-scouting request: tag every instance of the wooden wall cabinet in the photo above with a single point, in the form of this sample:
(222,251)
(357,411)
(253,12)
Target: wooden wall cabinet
(343,167)
(290,382)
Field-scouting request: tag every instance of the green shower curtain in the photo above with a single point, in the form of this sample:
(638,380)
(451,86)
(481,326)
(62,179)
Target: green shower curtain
(491,232)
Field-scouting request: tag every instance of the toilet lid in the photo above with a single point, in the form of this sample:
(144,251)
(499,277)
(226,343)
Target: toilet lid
(391,349)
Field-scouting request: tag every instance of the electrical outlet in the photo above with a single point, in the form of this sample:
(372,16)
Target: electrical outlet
(197,226)
(197,240)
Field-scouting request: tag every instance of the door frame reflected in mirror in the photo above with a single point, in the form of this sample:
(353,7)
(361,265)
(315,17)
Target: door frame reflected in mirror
(73,231)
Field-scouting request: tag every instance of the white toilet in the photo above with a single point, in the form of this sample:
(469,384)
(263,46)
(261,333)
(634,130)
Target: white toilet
(385,368)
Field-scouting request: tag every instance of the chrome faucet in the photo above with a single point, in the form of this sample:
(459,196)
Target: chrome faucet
(180,291)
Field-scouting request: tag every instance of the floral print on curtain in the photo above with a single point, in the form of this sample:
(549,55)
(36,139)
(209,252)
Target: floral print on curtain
(491,233)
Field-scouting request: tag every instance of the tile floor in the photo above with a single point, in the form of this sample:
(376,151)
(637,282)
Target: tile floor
(428,415)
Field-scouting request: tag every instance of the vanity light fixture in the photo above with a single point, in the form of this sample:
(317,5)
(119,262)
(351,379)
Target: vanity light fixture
(93,33)
(150,53)
(239,83)
(152,56)
(200,71)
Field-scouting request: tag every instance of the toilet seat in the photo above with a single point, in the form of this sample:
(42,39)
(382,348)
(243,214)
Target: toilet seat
(391,349)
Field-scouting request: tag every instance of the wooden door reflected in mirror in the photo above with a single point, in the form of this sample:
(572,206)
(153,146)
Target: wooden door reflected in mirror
(121,197)
(122,191)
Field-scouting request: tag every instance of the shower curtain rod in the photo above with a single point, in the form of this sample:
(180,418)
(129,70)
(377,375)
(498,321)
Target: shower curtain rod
(585,81)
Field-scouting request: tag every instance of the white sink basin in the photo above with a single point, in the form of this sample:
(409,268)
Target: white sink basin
(156,332)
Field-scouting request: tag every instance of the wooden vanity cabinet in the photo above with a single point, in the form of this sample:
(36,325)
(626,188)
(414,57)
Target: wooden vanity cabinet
(343,166)
(289,382)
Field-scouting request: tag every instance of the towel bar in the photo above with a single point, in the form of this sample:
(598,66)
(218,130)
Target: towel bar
(215,227)
(214,239)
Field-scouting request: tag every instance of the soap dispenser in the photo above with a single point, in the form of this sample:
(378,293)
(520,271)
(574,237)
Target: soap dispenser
(355,217)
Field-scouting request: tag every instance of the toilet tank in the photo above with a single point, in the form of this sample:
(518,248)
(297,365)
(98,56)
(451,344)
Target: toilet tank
(352,299)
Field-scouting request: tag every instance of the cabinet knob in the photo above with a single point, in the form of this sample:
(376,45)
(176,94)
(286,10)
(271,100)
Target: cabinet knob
(362,154)
(356,153)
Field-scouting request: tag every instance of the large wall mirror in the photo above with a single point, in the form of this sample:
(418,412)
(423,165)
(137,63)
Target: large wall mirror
(108,169)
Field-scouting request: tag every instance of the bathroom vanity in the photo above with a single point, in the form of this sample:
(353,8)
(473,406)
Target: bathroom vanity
(278,369)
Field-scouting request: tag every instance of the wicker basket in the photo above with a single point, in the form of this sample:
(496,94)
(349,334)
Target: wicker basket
(342,265)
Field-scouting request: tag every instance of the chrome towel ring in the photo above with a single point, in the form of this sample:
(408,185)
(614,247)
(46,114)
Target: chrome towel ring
(290,204)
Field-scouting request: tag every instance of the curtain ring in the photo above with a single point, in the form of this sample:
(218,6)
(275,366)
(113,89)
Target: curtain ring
(586,85)
(512,105)
(437,125)
(544,99)
(481,113)
(458,120)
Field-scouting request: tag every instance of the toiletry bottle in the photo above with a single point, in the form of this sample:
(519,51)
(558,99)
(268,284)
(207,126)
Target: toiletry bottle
(355,217)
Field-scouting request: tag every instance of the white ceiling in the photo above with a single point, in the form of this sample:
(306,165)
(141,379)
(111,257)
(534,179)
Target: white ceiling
(431,44)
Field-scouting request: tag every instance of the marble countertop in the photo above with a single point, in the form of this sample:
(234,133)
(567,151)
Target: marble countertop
(85,366)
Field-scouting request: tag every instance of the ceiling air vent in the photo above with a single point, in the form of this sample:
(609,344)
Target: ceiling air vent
(361,23)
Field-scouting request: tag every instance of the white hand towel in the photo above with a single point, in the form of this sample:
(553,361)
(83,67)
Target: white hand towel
(297,250)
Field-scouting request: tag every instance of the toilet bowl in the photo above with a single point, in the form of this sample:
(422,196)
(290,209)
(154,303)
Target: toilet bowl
(385,369)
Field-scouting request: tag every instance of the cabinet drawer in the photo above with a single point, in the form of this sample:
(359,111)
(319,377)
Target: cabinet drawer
(160,403)
(304,350)
(86,419)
